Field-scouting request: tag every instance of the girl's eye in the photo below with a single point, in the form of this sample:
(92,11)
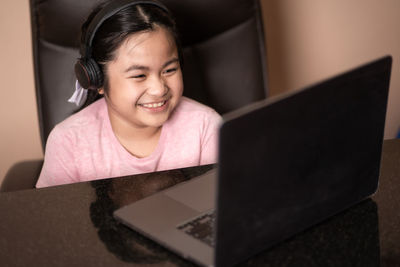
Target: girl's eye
(170,71)
(140,76)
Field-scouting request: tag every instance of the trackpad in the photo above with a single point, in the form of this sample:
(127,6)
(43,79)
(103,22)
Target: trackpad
(198,193)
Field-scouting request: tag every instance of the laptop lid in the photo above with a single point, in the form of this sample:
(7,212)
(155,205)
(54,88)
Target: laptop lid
(288,163)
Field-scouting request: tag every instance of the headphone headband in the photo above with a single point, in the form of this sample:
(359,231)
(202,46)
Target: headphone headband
(109,10)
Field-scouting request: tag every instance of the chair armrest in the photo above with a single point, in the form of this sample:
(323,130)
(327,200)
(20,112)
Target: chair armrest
(22,175)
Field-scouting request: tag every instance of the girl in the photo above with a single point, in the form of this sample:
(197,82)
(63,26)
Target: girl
(136,120)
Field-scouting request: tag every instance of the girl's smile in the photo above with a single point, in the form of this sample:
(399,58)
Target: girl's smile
(155,106)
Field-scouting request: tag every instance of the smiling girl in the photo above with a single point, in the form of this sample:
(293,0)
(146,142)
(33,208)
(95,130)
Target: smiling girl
(136,119)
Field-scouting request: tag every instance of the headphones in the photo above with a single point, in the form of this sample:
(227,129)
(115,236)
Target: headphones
(87,71)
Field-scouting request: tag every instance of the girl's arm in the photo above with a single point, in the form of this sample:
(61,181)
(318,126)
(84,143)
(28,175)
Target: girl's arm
(59,161)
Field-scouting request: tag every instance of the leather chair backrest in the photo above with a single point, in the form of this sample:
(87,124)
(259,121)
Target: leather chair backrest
(223,43)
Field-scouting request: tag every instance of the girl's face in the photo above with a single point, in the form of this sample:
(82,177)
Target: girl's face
(145,80)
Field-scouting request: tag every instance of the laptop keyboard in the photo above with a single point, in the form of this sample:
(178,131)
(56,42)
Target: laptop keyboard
(201,228)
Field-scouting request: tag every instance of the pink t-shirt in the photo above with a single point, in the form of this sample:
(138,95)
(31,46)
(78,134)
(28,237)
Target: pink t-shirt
(83,147)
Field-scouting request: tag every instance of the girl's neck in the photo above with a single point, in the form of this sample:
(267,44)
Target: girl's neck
(138,141)
(125,130)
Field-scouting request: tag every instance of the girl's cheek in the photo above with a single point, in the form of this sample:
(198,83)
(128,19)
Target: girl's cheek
(178,81)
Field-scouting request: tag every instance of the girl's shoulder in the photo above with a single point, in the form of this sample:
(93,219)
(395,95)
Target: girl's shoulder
(190,112)
(86,120)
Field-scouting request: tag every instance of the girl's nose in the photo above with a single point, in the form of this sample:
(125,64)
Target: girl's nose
(157,87)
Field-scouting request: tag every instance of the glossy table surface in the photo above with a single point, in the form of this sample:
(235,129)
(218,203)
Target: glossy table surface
(72,225)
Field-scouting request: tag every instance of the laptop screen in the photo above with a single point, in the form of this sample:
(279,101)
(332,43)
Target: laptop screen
(289,163)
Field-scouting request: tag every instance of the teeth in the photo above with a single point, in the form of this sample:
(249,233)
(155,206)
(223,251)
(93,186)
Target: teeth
(153,105)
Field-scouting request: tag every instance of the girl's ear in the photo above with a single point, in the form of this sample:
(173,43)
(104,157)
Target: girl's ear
(100,91)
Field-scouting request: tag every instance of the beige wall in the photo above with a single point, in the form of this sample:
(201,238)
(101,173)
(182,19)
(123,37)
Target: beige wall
(307,40)
(19,124)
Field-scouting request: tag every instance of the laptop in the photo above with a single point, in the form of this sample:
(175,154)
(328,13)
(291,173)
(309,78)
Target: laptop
(285,164)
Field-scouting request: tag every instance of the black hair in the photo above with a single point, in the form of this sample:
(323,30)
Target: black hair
(116,29)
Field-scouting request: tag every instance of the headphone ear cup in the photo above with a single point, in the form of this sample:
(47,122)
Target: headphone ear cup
(95,74)
(88,73)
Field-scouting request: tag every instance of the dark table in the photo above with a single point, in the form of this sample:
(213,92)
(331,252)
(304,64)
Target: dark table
(72,225)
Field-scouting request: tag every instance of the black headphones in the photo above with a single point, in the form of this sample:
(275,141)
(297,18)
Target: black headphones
(87,70)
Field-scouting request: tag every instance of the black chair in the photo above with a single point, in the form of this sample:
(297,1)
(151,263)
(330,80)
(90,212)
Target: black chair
(224,57)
